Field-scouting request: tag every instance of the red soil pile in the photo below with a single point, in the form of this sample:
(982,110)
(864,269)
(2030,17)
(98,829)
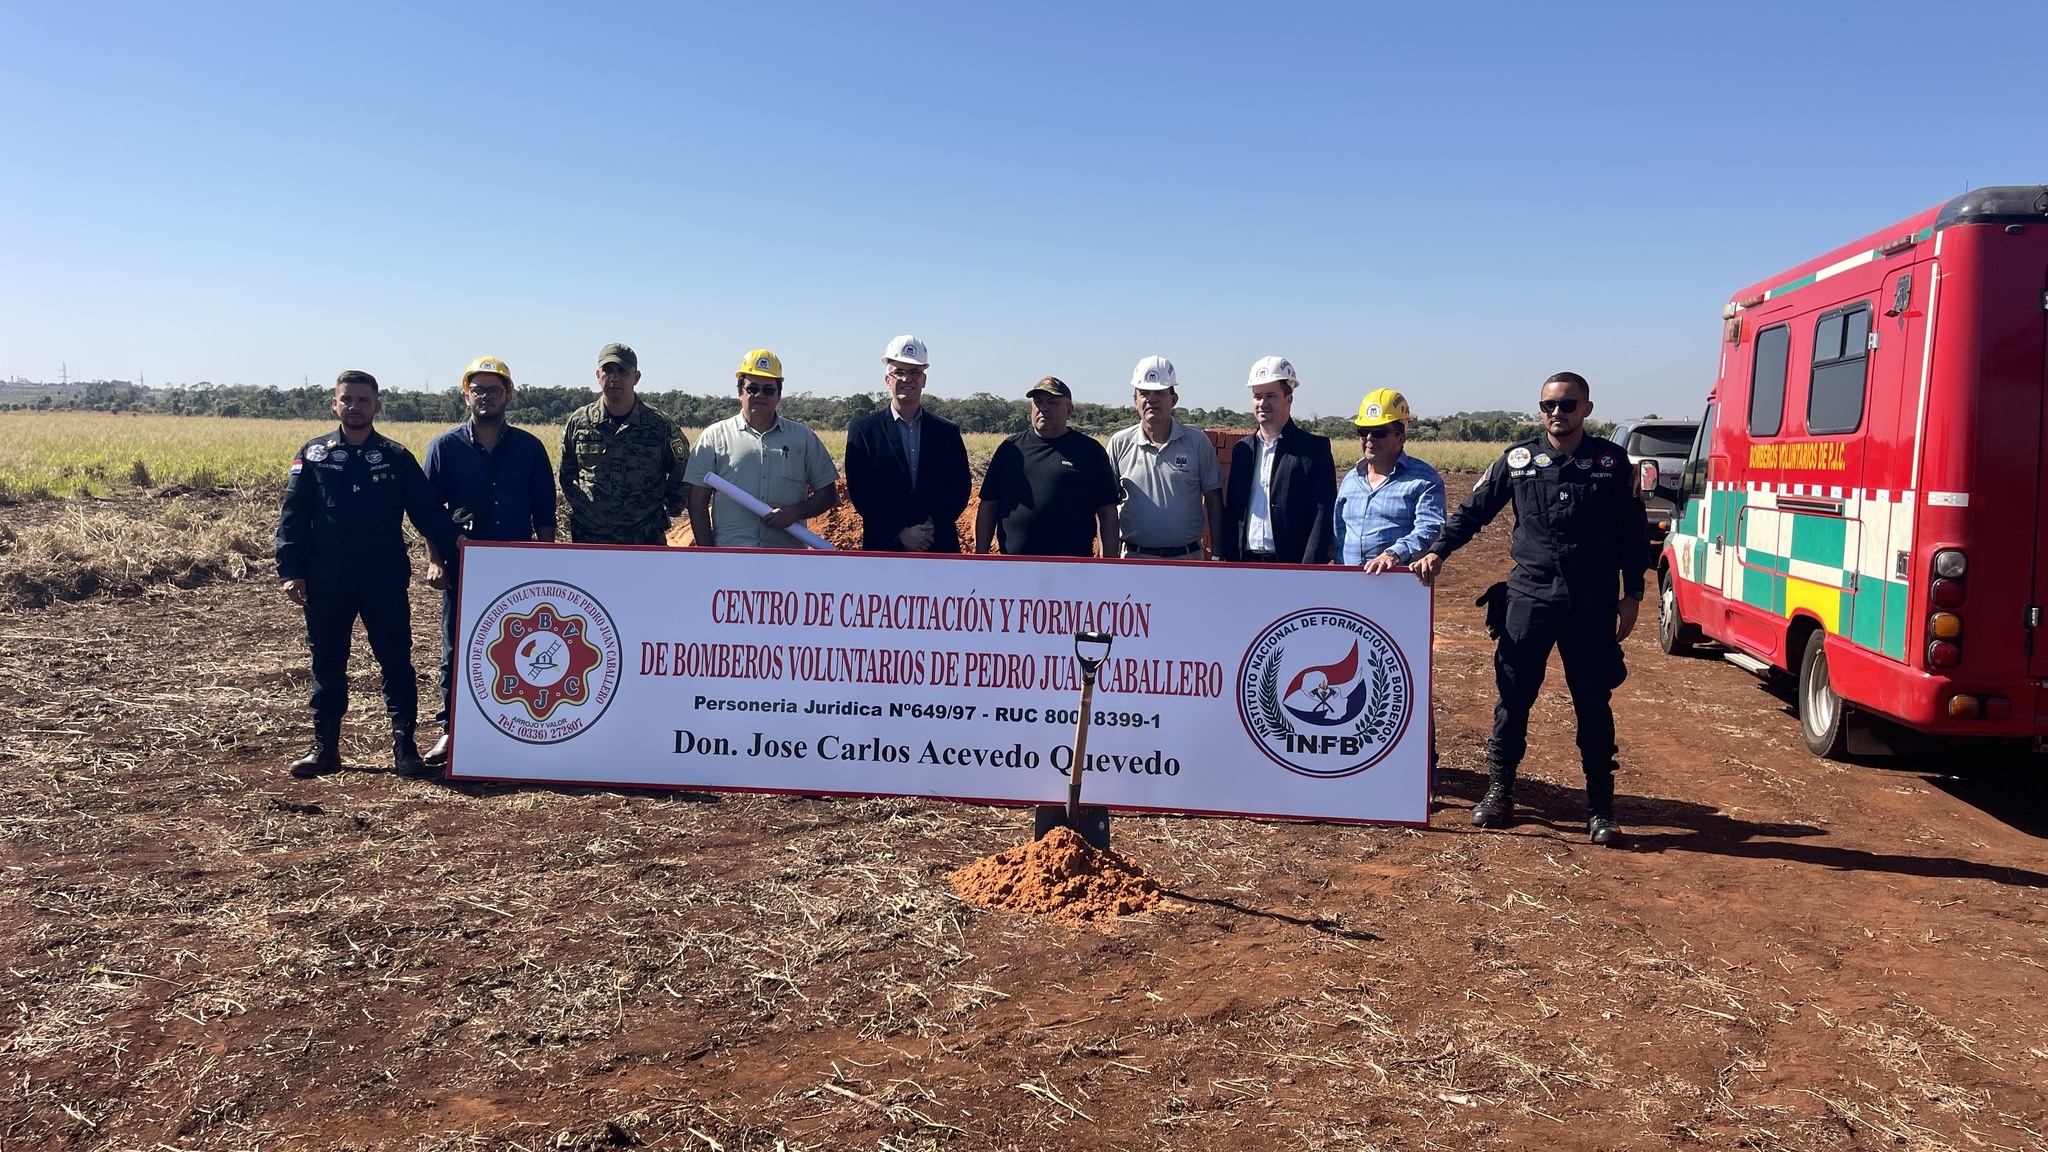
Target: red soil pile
(1062,876)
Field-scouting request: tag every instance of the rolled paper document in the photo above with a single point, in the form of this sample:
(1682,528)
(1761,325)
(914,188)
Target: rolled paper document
(810,538)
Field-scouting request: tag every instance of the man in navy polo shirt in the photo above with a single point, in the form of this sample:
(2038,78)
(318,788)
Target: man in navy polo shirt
(498,485)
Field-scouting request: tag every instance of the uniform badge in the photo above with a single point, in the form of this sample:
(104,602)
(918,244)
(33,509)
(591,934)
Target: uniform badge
(1585,463)
(1518,457)
(1607,460)
(296,465)
(1181,462)
(316,452)
(373,457)
(1543,459)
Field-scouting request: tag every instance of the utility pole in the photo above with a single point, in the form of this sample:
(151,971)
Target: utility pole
(63,374)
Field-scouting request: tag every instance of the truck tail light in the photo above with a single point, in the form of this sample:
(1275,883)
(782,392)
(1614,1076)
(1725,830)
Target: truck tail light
(1944,595)
(1966,706)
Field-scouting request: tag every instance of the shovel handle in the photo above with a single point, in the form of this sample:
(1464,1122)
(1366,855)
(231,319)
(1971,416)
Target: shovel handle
(1079,765)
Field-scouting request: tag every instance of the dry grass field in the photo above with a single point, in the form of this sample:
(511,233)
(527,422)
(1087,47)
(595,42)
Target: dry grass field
(63,454)
(199,952)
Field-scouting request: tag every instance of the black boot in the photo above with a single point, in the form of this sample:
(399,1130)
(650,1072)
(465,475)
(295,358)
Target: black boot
(1497,808)
(1600,826)
(324,757)
(405,754)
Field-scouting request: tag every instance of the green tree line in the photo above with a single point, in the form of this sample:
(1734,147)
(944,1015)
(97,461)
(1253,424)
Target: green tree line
(542,404)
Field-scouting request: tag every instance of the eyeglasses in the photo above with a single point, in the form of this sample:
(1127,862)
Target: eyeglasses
(906,373)
(1566,406)
(1379,433)
(487,393)
(759,389)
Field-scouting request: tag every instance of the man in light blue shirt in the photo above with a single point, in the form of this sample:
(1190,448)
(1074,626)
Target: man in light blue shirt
(1390,508)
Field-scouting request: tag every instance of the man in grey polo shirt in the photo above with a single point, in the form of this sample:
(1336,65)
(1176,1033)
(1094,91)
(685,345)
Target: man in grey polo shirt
(1173,487)
(778,462)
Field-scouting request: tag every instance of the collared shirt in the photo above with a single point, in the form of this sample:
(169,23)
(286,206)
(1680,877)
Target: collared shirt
(1163,485)
(521,505)
(1258,518)
(911,434)
(779,467)
(1404,515)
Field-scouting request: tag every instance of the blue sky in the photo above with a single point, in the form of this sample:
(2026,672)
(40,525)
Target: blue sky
(1454,200)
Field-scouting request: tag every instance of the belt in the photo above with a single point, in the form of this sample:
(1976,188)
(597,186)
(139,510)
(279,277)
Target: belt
(1262,557)
(1141,550)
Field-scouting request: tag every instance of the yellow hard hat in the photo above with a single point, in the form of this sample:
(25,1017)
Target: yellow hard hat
(489,364)
(1382,406)
(760,362)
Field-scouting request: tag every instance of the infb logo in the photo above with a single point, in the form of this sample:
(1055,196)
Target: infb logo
(1325,692)
(543,662)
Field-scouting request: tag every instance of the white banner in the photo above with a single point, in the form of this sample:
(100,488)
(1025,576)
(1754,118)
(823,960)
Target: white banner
(1230,689)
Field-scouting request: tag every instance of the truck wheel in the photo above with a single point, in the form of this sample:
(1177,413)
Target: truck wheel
(1674,635)
(1823,718)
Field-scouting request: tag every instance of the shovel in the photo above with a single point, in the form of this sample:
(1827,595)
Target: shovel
(1091,821)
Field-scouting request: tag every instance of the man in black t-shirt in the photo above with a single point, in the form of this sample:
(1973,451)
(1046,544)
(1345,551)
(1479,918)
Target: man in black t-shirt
(1049,491)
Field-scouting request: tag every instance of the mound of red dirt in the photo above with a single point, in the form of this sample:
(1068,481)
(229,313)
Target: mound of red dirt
(1062,876)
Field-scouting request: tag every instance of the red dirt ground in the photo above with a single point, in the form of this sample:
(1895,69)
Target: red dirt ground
(197,951)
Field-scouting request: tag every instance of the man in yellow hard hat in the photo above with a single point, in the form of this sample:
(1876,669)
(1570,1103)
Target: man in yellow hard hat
(776,461)
(498,485)
(1390,508)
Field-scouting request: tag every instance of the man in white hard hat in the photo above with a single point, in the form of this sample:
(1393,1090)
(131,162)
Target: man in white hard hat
(1283,480)
(906,467)
(1172,483)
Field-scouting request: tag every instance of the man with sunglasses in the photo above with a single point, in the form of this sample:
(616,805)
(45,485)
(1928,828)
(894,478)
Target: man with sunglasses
(778,462)
(906,467)
(498,485)
(622,462)
(1580,545)
(1390,508)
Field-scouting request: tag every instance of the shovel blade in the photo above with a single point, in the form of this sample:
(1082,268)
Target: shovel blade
(1092,822)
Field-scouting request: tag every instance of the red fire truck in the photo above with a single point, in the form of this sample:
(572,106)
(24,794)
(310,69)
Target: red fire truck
(1865,503)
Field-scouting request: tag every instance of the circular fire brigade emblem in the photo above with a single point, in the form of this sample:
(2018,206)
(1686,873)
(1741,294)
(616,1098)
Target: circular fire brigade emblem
(1324,692)
(543,662)
(1518,457)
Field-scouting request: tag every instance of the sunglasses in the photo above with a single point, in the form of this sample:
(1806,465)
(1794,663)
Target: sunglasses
(1379,433)
(1566,406)
(759,389)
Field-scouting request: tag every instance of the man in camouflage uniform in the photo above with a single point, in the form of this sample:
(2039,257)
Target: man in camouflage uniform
(622,462)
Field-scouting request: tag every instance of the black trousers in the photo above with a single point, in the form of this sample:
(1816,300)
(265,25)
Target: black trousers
(1593,668)
(332,607)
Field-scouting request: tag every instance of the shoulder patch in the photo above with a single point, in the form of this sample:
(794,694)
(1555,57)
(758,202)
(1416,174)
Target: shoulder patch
(316,452)
(1518,457)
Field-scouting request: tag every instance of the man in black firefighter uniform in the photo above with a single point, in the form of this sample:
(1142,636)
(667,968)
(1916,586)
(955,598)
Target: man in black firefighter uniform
(1579,529)
(341,554)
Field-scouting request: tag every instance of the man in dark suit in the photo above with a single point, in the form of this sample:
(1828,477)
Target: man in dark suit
(906,468)
(1283,482)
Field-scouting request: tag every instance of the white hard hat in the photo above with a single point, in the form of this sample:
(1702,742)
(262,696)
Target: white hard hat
(907,350)
(1271,368)
(1154,374)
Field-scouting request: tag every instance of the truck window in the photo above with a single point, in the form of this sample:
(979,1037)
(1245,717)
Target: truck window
(1659,440)
(1767,380)
(1841,350)
(1695,480)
